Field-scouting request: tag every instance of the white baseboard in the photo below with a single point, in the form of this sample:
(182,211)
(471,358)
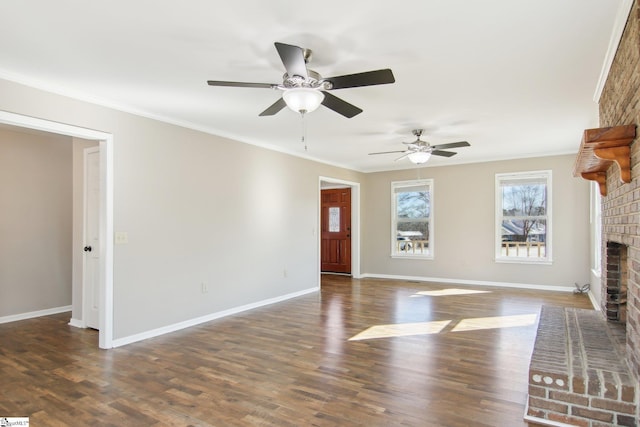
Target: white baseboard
(32,314)
(77,323)
(594,302)
(209,317)
(471,282)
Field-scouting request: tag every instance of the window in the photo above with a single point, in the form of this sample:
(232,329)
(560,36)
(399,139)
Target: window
(412,219)
(523,217)
(596,229)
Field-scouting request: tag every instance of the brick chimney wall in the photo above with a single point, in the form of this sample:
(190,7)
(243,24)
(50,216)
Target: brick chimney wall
(620,105)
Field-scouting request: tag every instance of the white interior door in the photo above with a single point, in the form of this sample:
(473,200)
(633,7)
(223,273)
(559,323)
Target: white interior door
(91,274)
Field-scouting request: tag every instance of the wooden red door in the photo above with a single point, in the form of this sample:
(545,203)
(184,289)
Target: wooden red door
(336,231)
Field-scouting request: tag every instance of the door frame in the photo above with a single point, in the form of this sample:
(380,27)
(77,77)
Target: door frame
(105,141)
(329,182)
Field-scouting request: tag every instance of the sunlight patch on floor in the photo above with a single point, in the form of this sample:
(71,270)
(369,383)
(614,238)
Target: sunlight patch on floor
(401,330)
(495,322)
(446,292)
(435,327)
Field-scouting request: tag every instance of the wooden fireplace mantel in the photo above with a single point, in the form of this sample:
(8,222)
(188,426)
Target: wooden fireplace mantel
(602,147)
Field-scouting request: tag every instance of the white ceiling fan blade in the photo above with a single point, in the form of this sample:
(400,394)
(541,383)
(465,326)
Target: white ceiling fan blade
(406,153)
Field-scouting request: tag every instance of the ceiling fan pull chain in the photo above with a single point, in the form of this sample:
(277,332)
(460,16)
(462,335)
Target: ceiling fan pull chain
(304,131)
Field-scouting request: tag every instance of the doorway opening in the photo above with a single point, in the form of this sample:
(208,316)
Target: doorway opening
(105,267)
(353,224)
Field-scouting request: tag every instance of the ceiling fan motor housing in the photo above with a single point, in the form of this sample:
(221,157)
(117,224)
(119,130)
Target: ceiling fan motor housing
(313,81)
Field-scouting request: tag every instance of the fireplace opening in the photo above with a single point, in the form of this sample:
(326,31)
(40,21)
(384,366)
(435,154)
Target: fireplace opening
(616,283)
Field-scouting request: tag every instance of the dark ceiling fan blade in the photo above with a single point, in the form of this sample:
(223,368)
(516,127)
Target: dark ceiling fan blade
(368,78)
(274,108)
(452,145)
(340,106)
(443,153)
(387,152)
(293,59)
(242,84)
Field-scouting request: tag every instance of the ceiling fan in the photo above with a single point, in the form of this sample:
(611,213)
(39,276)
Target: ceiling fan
(305,89)
(420,151)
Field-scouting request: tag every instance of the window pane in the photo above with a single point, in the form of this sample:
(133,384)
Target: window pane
(413,237)
(524,230)
(524,238)
(334,219)
(412,204)
(524,198)
(414,230)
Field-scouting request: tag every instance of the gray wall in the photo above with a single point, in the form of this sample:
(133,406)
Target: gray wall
(464,209)
(205,209)
(35,222)
(197,208)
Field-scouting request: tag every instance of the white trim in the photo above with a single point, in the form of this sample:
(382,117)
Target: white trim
(416,257)
(616,36)
(118,106)
(106,238)
(355,222)
(33,314)
(76,323)
(471,282)
(595,226)
(209,317)
(594,301)
(106,206)
(50,126)
(542,421)
(66,92)
(515,260)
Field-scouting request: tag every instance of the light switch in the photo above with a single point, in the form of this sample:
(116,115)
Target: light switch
(121,238)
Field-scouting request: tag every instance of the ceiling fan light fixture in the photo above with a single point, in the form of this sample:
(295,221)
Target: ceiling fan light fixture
(419,157)
(303,99)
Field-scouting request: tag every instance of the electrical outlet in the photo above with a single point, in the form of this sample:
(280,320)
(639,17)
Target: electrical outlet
(121,238)
(284,273)
(204,288)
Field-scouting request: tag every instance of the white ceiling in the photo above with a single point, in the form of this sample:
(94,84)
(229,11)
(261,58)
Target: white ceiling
(514,78)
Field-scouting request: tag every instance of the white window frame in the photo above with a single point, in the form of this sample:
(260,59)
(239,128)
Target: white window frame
(596,229)
(514,176)
(394,247)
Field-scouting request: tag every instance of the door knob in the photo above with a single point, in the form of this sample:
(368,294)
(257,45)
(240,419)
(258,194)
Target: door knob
(87,248)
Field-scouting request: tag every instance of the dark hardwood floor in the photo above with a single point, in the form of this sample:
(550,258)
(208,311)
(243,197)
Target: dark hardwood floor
(439,355)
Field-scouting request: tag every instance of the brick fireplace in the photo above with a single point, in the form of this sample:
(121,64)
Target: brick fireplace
(581,371)
(586,364)
(615,283)
(619,105)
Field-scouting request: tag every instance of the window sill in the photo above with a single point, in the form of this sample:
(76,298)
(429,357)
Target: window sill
(523,261)
(423,257)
